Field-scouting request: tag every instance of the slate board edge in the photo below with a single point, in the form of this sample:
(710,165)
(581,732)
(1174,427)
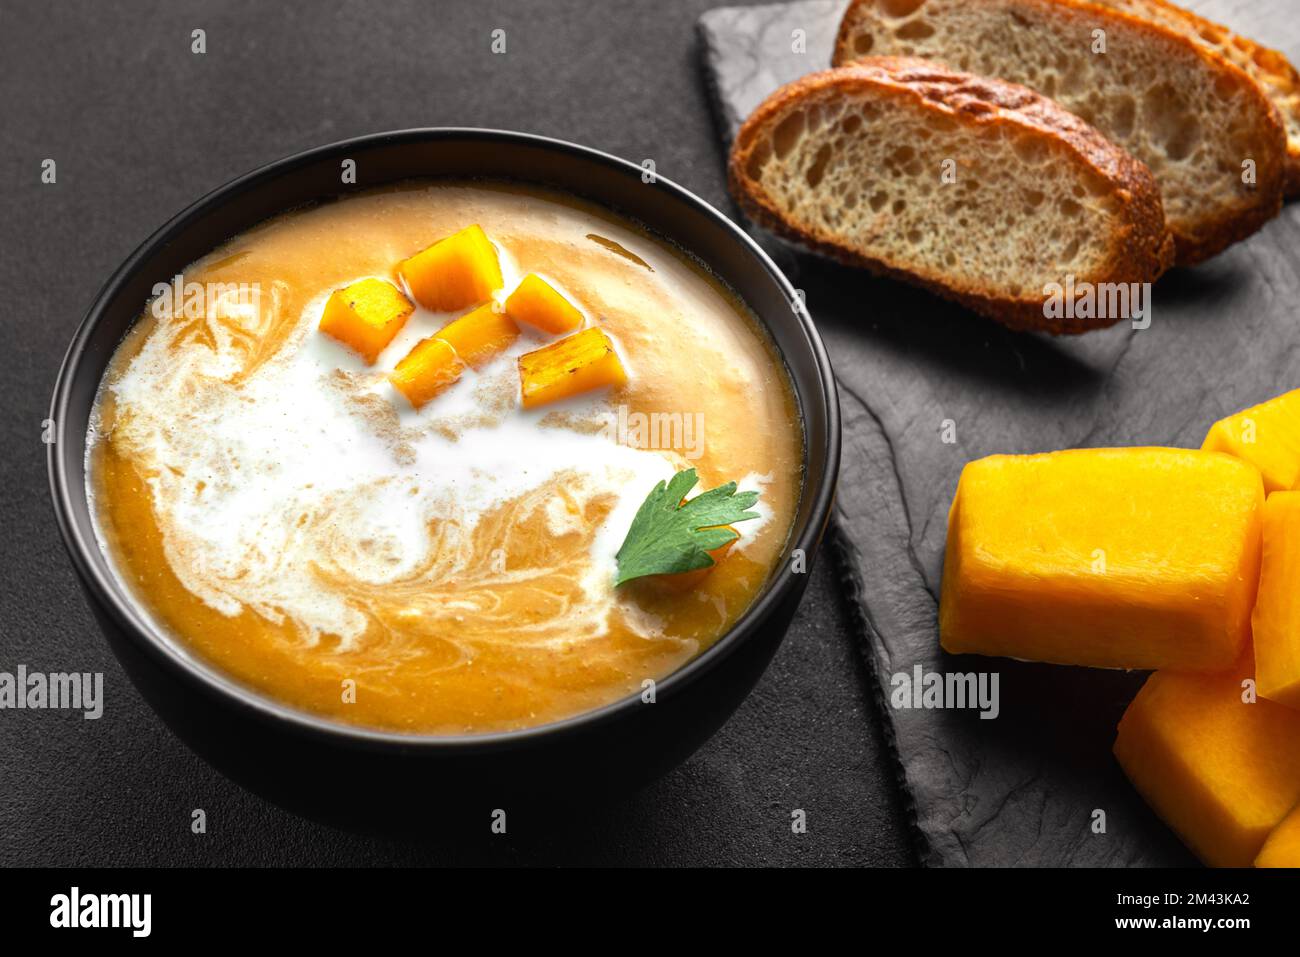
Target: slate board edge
(843,556)
(844,553)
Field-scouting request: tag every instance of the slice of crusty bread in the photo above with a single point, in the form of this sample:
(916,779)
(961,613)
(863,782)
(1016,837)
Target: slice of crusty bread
(980,190)
(1269,68)
(1204,128)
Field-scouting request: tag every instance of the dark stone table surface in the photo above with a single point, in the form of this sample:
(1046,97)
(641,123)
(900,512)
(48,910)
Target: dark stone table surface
(139,128)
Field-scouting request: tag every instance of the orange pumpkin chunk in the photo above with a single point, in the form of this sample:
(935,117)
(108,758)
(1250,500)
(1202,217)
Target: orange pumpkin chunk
(1267,436)
(1282,849)
(1277,610)
(479,335)
(1220,771)
(536,302)
(569,367)
(366,315)
(430,368)
(1115,558)
(459,271)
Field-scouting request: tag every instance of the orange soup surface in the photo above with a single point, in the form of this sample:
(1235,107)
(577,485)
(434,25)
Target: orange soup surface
(283,510)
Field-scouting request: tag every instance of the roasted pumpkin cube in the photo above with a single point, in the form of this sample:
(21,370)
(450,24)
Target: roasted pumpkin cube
(1276,621)
(366,315)
(431,367)
(1222,769)
(1115,558)
(569,367)
(536,302)
(1267,436)
(479,335)
(1282,849)
(459,271)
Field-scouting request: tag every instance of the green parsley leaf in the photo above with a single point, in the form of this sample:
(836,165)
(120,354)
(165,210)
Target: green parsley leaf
(670,536)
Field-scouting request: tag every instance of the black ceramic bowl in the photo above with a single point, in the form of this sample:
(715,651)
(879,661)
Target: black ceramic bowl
(371,779)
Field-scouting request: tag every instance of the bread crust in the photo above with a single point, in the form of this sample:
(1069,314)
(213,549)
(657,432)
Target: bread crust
(1142,248)
(1283,87)
(1196,242)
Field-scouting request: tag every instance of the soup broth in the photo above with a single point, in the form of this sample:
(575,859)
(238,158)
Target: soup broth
(281,510)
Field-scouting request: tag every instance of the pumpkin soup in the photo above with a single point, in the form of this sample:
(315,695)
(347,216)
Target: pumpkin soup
(445,458)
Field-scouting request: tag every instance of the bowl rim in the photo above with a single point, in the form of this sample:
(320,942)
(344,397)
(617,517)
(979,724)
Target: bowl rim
(66,484)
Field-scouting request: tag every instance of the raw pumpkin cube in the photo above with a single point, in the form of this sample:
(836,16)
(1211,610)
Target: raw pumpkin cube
(1277,609)
(1282,849)
(366,315)
(459,271)
(536,302)
(429,368)
(1265,435)
(1115,558)
(1220,771)
(573,365)
(479,335)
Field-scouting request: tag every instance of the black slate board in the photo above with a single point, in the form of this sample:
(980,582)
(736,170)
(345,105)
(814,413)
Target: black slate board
(1021,789)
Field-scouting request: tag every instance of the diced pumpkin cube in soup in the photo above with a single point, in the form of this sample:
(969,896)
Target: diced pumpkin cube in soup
(454,273)
(569,367)
(1220,771)
(536,302)
(366,315)
(1267,436)
(1114,558)
(480,335)
(1277,609)
(430,368)
(1282,849)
